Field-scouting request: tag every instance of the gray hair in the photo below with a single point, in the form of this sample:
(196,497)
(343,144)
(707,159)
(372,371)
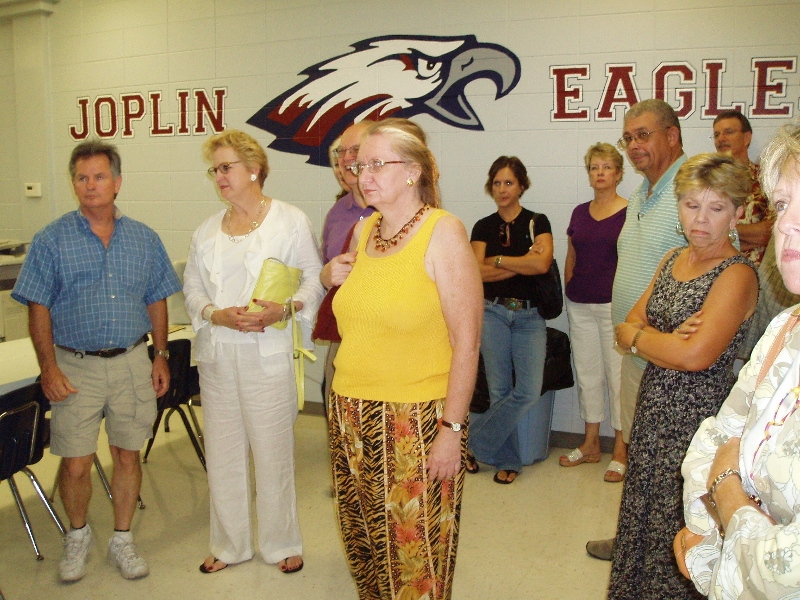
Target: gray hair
(91,148)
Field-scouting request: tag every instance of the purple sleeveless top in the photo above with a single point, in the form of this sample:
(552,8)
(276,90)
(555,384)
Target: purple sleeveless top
(595,244)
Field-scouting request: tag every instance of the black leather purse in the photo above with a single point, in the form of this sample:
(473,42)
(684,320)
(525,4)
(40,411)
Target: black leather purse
(549,296)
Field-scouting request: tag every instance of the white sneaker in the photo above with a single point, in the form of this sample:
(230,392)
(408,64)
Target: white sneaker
(123,553)
(76,549)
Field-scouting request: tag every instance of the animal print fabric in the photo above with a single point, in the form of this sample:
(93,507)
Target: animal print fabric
(399,528)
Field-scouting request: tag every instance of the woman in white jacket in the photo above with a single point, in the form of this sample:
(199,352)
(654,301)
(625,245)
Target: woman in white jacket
(245,365)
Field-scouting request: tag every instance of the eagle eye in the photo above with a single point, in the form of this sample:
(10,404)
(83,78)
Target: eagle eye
(428,68)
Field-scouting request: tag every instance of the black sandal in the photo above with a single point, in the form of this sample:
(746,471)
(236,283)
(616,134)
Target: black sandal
(471,464)
(510,476)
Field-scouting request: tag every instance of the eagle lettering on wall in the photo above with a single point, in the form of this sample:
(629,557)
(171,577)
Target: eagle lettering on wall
(388,76)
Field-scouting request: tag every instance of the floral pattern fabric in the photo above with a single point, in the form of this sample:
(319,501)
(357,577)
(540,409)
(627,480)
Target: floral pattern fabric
(400,529)
(756,559)
(756,209)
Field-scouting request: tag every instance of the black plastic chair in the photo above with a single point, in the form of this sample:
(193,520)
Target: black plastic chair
(23,435)
(181,389)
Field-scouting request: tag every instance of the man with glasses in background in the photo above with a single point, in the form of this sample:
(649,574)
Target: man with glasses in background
(732,135)
(653,143)
(348,210)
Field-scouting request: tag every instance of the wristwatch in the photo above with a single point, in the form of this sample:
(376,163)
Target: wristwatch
(453,426)
(164,353)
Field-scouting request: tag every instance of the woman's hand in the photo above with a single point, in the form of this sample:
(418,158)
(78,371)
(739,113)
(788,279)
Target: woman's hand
(337,269)
(727,457)
(444,459)
(684,541)
(237,317)
(625,333)
(689,326)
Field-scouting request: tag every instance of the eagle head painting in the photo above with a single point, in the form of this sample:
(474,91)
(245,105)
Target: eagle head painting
(388,76)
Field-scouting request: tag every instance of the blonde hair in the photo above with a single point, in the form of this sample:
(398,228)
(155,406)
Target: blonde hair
(607,152)
(246,147)
(719,173)
(779,155)
(409,141)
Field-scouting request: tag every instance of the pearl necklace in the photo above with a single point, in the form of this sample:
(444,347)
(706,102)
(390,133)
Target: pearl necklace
(383,244)
(253,225)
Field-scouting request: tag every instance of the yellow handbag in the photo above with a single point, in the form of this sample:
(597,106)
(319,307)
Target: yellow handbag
(277,283)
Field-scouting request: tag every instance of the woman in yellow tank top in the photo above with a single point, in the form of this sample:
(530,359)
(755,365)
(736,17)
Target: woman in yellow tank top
(409,313)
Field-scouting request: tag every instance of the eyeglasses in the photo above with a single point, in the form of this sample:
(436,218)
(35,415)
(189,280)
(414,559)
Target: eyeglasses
(342,151)
(374,166)
(725,132)
(505,234)
(222,168)
(640,136)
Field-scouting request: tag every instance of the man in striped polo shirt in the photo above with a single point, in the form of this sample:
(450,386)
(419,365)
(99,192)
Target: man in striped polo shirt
(652,140)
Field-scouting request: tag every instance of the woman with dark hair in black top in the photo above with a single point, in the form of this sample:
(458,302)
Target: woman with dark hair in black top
(511,245)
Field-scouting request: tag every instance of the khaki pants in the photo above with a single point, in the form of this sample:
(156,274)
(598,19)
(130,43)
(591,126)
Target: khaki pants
(631,378)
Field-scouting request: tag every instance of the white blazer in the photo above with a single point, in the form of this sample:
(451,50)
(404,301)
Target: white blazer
(285,234)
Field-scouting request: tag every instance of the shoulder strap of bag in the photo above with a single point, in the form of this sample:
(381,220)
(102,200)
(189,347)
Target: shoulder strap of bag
(532,228)
(299,363)
(777,344)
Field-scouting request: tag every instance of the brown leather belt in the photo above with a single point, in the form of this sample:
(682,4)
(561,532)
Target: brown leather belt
(106,352)
(511,303)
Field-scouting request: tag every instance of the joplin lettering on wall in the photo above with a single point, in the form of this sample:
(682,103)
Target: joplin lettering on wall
(676,83)
(108,116)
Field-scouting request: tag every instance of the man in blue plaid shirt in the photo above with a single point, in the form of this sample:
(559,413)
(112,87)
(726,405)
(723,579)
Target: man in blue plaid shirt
(95,283)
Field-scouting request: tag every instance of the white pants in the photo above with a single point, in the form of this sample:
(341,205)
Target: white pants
(597,361)
(250,402)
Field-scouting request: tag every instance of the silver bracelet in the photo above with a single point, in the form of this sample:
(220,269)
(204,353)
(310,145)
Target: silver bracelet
(719,479)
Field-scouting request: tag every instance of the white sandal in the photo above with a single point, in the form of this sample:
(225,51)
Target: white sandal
(615,472)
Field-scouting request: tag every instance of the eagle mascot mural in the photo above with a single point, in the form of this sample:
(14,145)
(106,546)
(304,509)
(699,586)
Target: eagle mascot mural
(388,76)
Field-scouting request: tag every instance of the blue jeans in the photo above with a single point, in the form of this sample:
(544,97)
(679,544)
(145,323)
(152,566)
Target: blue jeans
(510,340)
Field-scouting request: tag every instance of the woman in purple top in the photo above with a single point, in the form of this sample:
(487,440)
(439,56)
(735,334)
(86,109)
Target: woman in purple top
(589,275)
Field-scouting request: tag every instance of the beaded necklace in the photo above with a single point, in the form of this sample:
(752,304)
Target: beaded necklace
(383,244)
(253,224)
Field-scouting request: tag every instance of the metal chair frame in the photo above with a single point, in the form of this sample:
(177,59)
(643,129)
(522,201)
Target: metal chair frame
(180,392)
(34,406)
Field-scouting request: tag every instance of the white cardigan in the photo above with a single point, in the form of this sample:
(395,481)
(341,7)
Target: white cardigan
(286,235)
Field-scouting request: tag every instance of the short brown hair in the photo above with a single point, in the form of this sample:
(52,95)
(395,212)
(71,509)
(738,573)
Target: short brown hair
(717,172)
(516,166)
(246,147)
(606,151)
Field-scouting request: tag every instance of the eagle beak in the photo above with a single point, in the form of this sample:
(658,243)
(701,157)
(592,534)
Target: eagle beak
(483,61)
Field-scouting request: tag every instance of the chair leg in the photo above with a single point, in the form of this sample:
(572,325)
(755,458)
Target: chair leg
(166,420)
(153,439)
(197,428)
(40,492)
(104,479)
(192,437)
(24,515)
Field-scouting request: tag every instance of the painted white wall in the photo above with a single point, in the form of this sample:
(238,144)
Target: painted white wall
(256,49)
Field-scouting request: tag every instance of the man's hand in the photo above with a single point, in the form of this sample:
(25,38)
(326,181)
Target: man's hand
(160,375)
(55,385)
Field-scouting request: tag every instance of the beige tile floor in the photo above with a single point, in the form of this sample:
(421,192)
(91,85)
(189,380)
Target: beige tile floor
(521,541)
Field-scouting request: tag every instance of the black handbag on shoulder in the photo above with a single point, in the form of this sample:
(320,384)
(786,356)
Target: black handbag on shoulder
(549,296)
